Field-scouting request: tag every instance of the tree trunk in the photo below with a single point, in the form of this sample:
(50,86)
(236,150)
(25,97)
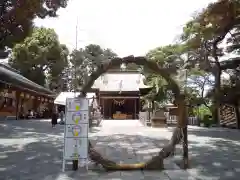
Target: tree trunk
(237,114)
(183,122)
(153,106)
(216,102)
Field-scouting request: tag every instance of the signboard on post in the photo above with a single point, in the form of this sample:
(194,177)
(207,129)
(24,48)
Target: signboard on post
(76,131)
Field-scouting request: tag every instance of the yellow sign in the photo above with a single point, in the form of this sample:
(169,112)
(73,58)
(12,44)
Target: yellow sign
(77,120)
(77,108)
(75,133)
(76,130)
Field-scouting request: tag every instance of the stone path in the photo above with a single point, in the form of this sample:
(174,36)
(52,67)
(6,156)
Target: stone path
(33,150)
(214,153)
(123,142)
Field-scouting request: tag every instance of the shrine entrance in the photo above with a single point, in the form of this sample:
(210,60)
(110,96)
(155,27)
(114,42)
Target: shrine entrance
(120,108)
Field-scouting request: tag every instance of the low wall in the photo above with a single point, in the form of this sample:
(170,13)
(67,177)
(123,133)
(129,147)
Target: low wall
(6,118)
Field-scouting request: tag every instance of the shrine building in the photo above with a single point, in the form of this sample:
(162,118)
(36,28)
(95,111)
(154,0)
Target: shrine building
(19,95)
(118,93)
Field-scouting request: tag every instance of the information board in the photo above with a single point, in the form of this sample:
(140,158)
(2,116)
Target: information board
(77,117)
(76,130)
(76,148)
(77,104)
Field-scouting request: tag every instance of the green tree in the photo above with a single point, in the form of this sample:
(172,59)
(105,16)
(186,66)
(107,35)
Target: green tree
(85,61)
(16,19)
(95,55)
(159,92)
(177,58)
(169,56)
(39,55)
(79,73)
(200,82)
(58,69)
(204,33)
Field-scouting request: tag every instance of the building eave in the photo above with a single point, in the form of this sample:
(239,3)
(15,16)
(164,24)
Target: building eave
(13,78)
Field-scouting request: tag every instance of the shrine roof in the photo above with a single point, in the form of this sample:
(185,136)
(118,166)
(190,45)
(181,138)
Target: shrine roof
(10,76)
(120,81)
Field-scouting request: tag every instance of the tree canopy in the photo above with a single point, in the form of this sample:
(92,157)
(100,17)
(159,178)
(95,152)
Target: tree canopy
(205,44)
(16,19)
(167,57)
(41,57)
(85,61)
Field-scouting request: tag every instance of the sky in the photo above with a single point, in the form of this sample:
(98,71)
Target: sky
(128,27)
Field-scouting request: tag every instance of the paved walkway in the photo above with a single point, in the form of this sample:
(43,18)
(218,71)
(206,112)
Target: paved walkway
(33,150)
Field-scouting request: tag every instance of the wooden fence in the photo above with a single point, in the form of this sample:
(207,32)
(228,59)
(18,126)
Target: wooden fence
(144,118)
(172,120)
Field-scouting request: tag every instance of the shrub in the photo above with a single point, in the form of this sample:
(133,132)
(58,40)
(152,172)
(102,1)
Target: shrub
(207,120)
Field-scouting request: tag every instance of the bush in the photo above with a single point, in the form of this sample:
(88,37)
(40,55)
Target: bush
(201,111)
(207,120)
